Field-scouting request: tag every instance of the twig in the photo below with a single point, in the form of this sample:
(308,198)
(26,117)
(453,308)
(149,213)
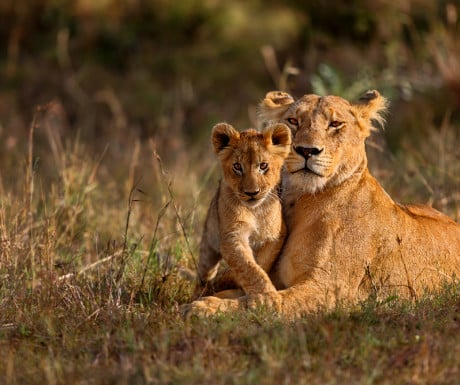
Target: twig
(93,314)
(90,266)
(7,326)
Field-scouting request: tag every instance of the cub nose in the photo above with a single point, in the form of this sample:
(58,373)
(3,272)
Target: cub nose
(252,193)
(307,152)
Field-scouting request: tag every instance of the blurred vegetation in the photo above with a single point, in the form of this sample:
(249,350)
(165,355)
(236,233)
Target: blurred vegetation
(106,171)
(168,70)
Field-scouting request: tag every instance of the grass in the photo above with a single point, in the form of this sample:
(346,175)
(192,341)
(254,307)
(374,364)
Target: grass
(103,191)
(80,333)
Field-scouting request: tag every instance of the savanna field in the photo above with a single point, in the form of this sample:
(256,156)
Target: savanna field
(106,171)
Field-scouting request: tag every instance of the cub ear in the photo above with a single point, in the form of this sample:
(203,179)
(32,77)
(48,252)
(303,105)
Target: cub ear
(370,109)
(273,106)
(222,134)
(279,136)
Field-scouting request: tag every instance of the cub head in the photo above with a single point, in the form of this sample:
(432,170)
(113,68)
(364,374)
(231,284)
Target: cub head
(251,161)
(328,135)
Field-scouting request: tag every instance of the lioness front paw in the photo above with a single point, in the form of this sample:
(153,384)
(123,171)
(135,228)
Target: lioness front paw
(270,300)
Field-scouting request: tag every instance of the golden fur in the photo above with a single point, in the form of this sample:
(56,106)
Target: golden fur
(244,224)
(347,239)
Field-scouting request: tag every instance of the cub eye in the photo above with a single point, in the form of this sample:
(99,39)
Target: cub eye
(237,167)
(293,121)
(263,166)
(335,124)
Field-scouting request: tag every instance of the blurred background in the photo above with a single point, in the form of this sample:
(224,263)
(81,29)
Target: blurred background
(98,96)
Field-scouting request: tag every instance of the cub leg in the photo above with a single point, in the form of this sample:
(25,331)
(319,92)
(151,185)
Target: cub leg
(249,275)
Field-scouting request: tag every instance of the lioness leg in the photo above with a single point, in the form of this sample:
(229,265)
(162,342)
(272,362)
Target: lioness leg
(302,298)
(229,294)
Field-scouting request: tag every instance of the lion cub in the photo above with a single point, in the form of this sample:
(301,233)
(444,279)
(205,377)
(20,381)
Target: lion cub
(244,224)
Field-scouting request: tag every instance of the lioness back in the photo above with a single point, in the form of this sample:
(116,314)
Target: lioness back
(244,224)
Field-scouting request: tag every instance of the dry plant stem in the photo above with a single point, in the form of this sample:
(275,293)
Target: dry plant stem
(29,170)
(268,53)
(279,76)
(90,266)
(30,190)
(2,189)
(153,243)
(134,162)
(62,49)
(176,210)
(93,174)
(125,254)
(64,59)
(109,97)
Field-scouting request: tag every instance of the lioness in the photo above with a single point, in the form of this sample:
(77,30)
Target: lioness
(244,224)
(347,239)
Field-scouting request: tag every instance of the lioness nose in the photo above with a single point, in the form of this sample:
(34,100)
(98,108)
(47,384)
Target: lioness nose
(252,193)
(307,152)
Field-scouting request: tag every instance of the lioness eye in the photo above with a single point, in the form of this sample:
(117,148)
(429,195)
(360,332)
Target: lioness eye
(335,124)
(237,166)
(263,166)
(293,121)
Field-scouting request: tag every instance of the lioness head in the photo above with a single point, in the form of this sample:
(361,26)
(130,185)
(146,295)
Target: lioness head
(251,160)
(328,135)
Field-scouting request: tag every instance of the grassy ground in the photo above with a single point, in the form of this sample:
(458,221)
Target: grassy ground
(106,171)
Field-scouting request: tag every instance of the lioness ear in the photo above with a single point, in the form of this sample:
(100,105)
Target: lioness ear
(369,110)
(222,134)
(278,135)
(273,106)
